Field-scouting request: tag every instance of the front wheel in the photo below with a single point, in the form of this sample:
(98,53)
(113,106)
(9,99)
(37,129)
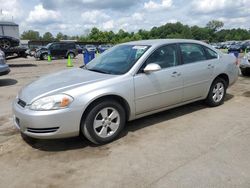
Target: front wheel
(44,56)
(216,93)
(5,44)
(244,72)
(104,122)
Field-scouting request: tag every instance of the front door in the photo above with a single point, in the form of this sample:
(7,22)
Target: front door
(55,50)
(162,88)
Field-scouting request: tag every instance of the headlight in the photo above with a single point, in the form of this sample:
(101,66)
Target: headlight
(53,102)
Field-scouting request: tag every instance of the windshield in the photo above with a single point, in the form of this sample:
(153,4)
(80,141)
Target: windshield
(48,45)
(117,60)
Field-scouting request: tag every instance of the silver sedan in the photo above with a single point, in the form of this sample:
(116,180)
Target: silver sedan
(124,83)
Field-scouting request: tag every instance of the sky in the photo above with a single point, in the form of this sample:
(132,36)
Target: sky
(77,17)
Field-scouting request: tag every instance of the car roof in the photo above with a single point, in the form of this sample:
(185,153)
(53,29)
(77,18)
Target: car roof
(157,42)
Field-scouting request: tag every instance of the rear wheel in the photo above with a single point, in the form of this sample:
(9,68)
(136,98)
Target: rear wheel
(216,93)
(104,122)
(72,55)
(5,44)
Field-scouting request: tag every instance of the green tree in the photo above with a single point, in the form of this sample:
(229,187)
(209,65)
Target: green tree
(30,35)
(60,36)
(215,25)
(48,36)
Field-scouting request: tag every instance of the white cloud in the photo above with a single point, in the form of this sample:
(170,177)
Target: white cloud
(43,16)
(209,6)
(94,16)
(114,15)
(10,9)
(109,25)
(137,16)
(153,6)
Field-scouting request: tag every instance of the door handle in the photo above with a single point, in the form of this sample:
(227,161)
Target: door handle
(210,66)
(174,74)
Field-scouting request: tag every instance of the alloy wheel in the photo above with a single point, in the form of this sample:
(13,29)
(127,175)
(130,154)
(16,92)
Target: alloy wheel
(218,92)
(5,44)
(106,122)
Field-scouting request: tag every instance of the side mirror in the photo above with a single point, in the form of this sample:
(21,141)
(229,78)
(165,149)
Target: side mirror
(152,67)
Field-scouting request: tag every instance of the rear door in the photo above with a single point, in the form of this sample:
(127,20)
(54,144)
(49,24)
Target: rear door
(197,70)
(159,89)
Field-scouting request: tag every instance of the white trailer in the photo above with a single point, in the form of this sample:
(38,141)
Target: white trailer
(10,29)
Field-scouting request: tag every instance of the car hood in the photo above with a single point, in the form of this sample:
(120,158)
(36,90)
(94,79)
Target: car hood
(41,49)
(60,82)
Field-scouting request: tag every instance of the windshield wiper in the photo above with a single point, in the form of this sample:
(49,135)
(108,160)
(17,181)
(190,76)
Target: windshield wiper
(100,71)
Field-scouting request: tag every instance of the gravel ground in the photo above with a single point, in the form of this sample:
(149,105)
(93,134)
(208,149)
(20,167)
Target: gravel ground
(190,146)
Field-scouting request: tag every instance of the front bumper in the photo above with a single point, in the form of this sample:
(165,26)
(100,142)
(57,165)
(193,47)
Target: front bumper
(244,63)
(4,69)
(47,124)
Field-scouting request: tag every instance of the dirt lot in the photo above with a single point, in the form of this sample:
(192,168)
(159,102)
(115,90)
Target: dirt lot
(190,146)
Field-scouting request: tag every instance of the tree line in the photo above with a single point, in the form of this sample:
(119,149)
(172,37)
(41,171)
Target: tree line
(212,32)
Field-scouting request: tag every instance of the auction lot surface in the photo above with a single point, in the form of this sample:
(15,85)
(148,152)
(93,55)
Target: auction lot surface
(190,146)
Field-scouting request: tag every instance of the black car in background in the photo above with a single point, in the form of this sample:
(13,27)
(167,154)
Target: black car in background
(7,42)
(240,47)
(57,50)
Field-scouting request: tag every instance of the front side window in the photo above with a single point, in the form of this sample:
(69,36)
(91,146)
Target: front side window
(117,60)
(192,53)
(55,46)
(165,56)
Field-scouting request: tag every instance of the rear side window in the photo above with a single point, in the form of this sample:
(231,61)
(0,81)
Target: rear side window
(192,53)
(68,46)
(210,53)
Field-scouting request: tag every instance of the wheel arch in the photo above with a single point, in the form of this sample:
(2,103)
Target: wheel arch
(225,77)
(70,51)
(117,98)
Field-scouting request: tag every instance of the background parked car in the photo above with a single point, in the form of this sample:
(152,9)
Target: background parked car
(103,47)
(4,68)
(79,49)
(245,65)
(90,48)
(57,49)
(7,42)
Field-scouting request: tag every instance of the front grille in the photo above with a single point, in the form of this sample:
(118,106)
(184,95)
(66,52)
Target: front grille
(42,130)
(21,103)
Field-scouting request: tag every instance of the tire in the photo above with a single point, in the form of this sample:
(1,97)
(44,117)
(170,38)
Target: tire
(216,93)
(99,126)
(5,44)
(44,56)
(244,72)
(72,55)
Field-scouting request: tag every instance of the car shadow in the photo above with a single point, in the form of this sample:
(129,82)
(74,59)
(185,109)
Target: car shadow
(7,82)
(57,145)
(22,65)
(166,115)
